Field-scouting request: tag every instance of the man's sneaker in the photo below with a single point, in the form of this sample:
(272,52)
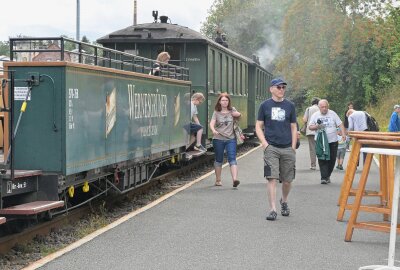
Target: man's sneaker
(285,211)
(328,180)
(324,181)
(200,148)
(272,215)
(313,168)
(341,167)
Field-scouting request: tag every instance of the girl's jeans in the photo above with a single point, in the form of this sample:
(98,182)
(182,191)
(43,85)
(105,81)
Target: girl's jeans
(220,146)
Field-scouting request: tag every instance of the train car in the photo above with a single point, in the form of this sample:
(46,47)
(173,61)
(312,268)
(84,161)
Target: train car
(214,68)
(85,120)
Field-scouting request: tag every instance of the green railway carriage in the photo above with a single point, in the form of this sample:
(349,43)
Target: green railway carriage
(213,67)
(85,120)
(97,117)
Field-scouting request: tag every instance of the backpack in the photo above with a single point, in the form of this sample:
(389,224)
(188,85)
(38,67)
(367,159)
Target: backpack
(372,124)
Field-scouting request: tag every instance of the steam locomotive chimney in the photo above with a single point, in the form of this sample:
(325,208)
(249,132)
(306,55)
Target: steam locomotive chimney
(164,19)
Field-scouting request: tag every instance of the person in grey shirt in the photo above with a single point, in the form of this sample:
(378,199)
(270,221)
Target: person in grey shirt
(357,122)
(311,133)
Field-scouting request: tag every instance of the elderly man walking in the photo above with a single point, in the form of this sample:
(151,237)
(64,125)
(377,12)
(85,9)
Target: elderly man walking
(327,120)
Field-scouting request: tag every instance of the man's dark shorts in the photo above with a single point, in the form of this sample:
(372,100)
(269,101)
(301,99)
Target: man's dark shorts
(279,163)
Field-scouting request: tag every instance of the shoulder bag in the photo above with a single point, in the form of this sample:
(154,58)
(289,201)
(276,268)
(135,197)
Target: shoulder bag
(238,133)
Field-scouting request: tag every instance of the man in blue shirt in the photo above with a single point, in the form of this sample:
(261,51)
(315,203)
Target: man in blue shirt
(394,124)
(277,117)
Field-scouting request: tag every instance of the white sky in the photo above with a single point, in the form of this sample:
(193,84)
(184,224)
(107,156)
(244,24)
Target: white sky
(53,18)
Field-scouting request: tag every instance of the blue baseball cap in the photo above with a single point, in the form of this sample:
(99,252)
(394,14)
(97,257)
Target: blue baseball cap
(278,81)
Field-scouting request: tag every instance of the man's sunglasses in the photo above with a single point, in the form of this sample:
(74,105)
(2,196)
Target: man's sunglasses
(281,87)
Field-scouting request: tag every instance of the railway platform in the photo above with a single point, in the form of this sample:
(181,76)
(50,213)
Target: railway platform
(208,227)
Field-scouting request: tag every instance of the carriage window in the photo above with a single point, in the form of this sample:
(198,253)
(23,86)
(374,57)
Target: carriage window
(227,74)
(246,80)
(265,80)
(263,93)
(233,76)
(173,50)
(241,80)
(220,73)
(256,84)
(212,72)
(236,77)
(263,84)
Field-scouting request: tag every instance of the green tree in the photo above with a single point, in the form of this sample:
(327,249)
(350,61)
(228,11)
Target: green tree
(335,51)
(5,48)
(343,50)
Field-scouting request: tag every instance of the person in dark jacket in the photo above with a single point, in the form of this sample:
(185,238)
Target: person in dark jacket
(394,124)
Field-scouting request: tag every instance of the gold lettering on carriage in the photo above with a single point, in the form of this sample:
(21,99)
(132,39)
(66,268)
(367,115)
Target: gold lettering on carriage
(146,105)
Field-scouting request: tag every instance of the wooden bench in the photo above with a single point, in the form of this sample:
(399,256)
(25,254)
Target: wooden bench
(31,208)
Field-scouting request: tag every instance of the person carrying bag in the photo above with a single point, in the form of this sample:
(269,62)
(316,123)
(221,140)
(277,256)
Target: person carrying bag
(224,137)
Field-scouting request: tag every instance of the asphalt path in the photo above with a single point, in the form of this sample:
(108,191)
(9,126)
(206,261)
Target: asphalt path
(209,227)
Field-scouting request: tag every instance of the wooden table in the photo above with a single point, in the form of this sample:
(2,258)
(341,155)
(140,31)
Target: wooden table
(395,205)
(360,139)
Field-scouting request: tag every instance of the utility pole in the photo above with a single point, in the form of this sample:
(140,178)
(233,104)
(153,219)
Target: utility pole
(135,12)
(77,20)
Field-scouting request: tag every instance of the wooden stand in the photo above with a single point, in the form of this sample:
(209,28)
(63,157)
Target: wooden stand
(377,139)
(395,204)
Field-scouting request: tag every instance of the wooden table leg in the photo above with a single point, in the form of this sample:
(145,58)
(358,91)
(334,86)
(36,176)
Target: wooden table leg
(383,180)
(358,198)
(348,179)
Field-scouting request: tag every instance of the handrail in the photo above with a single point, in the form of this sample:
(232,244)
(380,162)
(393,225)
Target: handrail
(65,49)
(372,133)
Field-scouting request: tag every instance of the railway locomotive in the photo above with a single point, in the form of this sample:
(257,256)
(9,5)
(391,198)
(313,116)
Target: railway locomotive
(82,120)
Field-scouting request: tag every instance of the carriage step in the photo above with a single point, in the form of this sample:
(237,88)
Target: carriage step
(31,208)
(195,153)
(23,173)
(2,220)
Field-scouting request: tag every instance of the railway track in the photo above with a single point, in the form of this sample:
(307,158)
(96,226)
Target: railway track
(44,228)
